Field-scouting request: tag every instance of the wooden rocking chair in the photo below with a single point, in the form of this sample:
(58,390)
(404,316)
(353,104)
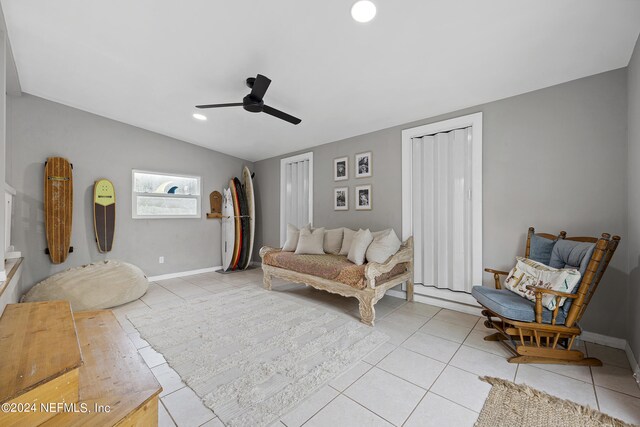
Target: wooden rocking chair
(533,333)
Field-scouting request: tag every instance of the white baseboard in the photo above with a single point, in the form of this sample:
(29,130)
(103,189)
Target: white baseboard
(614,342)
(595,338)
(452,305)
(183,273)
(633,362)
(619,343)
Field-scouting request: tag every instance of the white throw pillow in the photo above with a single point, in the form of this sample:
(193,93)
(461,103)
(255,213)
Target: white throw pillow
(377,234)
(333,240)
(529,272)
(385,244)
(293,233)
(347,237)
(361,241)
(310,242)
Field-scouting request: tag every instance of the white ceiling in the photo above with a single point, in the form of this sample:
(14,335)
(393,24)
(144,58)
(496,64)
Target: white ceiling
(148,62)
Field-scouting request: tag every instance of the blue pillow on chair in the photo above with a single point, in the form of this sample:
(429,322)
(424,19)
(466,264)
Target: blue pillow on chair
(541,248)
(572,254)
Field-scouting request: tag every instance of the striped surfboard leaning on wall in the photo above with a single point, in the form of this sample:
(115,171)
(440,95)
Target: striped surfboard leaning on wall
(58,208)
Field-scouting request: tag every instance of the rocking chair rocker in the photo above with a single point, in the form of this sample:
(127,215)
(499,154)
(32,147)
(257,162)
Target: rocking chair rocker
(533,333)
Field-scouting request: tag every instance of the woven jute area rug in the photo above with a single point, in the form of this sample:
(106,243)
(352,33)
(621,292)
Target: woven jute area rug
(252,355)
(518,405)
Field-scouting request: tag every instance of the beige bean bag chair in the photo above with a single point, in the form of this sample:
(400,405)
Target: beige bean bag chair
(95,286)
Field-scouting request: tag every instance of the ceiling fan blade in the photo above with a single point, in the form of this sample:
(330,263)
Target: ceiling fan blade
(281,115)
(260,86)
(233,104)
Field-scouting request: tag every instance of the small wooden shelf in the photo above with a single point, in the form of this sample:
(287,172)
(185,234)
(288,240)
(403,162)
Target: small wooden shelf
(214,216)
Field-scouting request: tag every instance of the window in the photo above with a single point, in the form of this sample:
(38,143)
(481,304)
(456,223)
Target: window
(159,195)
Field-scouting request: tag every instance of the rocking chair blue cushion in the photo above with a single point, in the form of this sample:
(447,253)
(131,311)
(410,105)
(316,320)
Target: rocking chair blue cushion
(541,249)
(571,254)
(512,306)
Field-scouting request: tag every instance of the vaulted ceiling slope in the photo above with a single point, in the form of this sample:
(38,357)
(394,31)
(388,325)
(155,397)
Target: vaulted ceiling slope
(149,62)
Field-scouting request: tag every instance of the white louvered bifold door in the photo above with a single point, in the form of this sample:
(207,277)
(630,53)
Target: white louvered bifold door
(442,210)
(297,193)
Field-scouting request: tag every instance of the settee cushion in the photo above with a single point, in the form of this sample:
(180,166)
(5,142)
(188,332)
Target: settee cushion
(293,234)
(333,240)
(385,244)
(310,241)
(331,267)
(361,241)
(512,306)
(347,237)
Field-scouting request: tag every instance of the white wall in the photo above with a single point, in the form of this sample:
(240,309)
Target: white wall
(554,158)
(104,148)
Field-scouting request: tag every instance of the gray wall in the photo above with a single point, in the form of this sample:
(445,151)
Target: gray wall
(554,158)
(634,201)
(3,145)
(99,147)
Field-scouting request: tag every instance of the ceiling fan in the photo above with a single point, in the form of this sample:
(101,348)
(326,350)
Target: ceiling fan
(254,103)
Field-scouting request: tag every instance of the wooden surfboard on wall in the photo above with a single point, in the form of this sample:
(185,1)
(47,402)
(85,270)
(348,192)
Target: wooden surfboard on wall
(58,207)
(104,214)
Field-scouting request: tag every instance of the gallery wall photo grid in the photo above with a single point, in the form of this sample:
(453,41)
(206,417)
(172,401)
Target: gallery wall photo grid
(341,199)
(363,197)
(341,169)
(363,165)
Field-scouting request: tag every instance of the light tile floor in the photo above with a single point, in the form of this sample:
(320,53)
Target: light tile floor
(426,375)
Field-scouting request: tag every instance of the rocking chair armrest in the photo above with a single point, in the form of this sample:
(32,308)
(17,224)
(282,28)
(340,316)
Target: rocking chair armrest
(558,297)
(498,272)
(537,289)
(496,276)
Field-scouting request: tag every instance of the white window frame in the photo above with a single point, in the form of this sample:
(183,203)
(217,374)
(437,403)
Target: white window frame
(475,121)
(134,195)
(283,190)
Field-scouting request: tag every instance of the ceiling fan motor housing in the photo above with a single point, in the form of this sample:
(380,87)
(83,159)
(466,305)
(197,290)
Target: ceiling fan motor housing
(252,105)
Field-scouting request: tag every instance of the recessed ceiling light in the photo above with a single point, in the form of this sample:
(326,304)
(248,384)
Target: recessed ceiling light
(363,11)
(199,116)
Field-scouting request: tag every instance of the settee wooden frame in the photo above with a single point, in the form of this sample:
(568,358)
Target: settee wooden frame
(538,342)
(367,297)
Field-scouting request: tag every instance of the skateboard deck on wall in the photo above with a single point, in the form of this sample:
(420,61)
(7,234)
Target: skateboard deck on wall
(104,214)
(244,223)
(58,207)
(228,230)
(237,247)
(251,210)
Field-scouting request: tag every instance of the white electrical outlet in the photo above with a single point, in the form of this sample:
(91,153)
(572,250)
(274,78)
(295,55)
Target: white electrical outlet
(161,260)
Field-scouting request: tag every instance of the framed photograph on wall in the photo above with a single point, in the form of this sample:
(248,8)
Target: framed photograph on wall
(363,197)
(341,169)
(364,165)
(341,199)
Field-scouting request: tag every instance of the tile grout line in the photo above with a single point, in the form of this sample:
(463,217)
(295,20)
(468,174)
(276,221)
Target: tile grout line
(426,320)
(358,403)
(167,411)
(315,413)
